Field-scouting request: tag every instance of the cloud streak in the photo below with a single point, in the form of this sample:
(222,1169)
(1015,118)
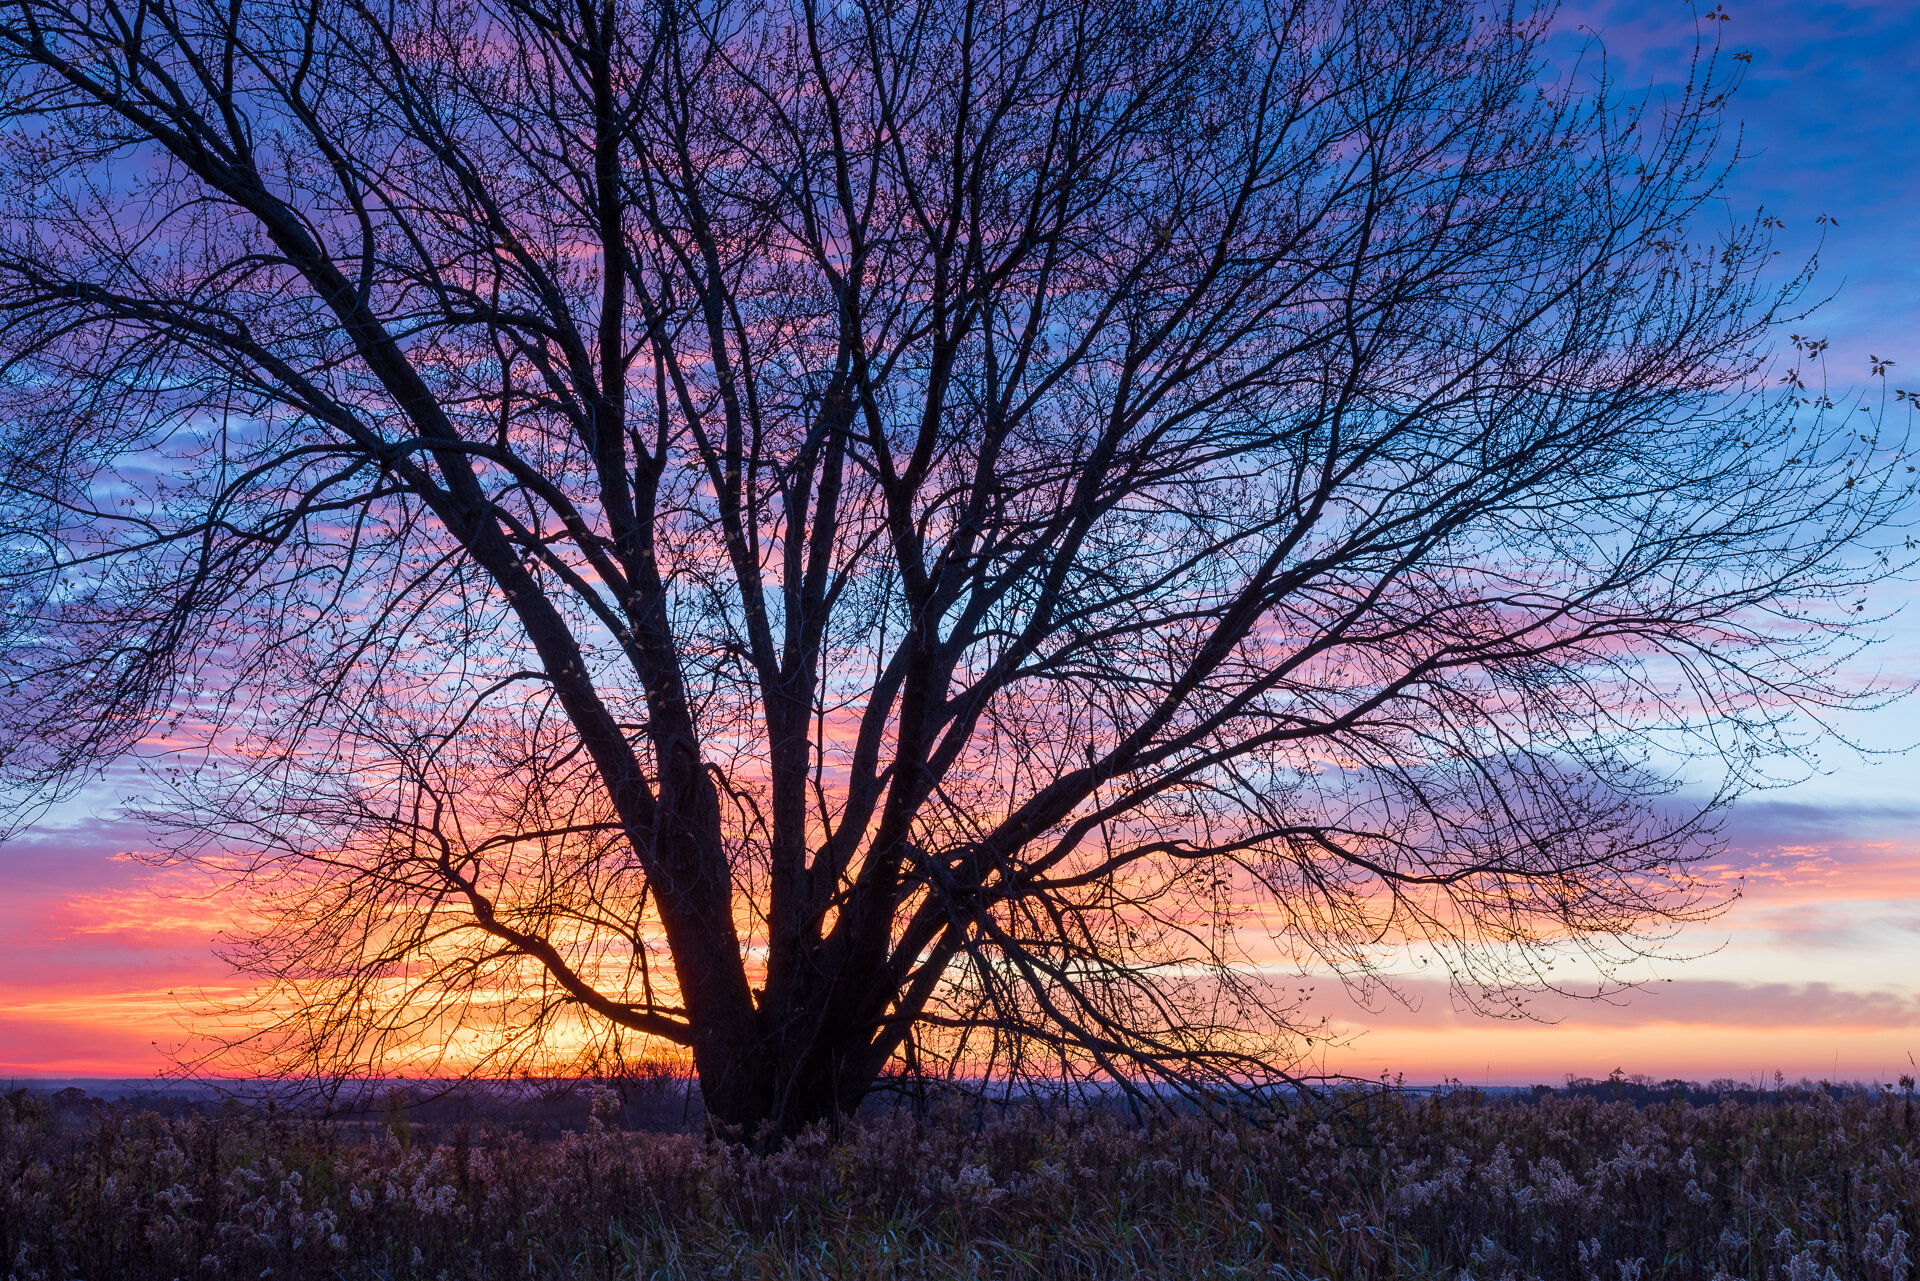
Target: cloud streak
(1682,1003)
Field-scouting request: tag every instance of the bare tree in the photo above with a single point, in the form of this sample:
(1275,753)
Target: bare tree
(953,535)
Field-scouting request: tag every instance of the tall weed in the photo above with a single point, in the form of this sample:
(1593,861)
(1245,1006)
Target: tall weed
(1799,1186)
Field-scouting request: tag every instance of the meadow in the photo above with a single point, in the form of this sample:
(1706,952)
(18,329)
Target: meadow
(1624,1183)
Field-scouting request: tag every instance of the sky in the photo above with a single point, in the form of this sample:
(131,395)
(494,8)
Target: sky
(1814,971)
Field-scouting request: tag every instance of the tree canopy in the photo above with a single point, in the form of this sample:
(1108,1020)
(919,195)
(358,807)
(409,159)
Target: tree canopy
(940,536)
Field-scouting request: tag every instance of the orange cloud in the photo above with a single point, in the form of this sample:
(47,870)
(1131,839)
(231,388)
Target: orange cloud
(1506,1054)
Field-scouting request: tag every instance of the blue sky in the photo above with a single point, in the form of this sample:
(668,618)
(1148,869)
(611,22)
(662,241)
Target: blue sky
(1830,111)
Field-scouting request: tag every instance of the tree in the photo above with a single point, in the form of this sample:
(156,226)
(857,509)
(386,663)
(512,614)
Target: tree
(936,535)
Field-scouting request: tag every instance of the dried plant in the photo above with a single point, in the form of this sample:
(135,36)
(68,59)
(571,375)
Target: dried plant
(1802,1185)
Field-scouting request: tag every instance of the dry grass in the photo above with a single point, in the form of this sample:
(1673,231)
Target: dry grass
(1805,1185)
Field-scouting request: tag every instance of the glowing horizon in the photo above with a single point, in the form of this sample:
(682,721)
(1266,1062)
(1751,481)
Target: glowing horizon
(105,959)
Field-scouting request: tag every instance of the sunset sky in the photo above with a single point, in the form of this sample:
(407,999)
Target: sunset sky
(1814,971)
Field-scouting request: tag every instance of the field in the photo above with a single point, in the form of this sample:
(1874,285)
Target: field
(1607,1182)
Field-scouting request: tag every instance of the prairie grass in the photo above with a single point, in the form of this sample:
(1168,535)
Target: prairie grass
(1799,1185)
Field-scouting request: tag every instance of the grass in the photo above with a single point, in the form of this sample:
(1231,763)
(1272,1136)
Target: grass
(1810,1184)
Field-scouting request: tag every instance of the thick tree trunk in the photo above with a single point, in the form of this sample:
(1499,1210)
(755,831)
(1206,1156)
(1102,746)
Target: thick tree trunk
(815,1054)
(764,1094)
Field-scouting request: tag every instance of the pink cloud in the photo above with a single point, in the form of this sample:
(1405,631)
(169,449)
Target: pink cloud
(1697,1004)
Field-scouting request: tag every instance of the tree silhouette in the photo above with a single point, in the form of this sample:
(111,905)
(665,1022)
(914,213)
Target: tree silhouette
(949,536)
